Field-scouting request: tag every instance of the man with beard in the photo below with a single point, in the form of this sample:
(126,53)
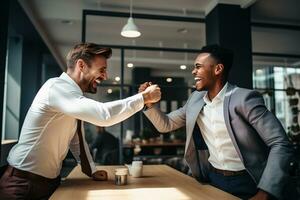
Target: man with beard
(233,141)
(53,125)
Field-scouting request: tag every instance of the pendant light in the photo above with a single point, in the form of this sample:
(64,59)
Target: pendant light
(130,30)
(183,66)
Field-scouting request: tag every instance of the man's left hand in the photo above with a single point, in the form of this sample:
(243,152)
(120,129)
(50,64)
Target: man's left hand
(260,195)
(100,175)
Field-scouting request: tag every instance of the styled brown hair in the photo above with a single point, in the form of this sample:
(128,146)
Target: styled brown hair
(86,52)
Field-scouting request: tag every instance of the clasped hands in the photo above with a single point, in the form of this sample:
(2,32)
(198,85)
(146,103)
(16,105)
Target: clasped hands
(151,93)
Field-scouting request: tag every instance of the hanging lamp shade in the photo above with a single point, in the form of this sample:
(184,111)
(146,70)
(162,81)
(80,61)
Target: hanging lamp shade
(130,30)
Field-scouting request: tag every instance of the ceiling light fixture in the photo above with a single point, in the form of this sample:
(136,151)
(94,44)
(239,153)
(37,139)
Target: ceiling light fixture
(169,80)
(117,79)
(66,21)
(182,30)
(259,71)
(183,67)
(130,30)
(129,65)
(109,91)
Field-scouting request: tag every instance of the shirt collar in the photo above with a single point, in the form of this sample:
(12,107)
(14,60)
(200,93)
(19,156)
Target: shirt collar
(220,96)
(67,78)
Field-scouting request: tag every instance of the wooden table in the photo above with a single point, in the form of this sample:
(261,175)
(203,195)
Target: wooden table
(159,182)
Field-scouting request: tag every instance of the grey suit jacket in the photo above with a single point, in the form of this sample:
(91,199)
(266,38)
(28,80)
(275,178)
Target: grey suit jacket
(256,133)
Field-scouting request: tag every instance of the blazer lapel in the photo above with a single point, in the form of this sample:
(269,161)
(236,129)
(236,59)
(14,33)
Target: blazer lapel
(196,160)
(228,94)
(192,117)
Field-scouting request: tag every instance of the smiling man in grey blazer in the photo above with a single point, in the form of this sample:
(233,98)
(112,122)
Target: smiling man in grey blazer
(233,141)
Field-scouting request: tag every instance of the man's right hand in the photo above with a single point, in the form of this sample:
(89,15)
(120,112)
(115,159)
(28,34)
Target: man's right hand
(144,86)
(151,93)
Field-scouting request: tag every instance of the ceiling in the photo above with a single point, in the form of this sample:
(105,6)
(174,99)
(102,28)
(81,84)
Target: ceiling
(59,23)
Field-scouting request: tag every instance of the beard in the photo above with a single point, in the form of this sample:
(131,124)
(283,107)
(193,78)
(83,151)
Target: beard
(90,86)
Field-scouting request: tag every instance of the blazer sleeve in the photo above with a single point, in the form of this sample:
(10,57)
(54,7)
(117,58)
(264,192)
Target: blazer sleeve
(166,122)
(275,175)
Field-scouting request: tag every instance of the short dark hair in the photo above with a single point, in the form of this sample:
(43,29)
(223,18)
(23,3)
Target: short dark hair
(221,55)
(86,52)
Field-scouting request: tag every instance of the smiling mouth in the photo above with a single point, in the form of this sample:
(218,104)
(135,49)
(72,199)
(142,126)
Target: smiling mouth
(96,82)
(197,79)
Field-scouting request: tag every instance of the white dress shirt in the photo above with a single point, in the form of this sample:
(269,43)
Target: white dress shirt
(50,125)
(212,125)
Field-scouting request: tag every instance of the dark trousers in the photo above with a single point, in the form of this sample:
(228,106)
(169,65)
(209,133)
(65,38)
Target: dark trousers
(16,185)
(241,185)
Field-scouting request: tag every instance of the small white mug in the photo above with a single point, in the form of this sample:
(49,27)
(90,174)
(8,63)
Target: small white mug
(136,169)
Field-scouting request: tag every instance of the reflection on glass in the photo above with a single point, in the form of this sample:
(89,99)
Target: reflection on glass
(280,88)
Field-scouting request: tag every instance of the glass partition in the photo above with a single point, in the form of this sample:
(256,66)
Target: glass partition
(280,86)
(12,91)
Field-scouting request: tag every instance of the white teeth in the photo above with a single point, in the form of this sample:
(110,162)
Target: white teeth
(197,79)
(98,81)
